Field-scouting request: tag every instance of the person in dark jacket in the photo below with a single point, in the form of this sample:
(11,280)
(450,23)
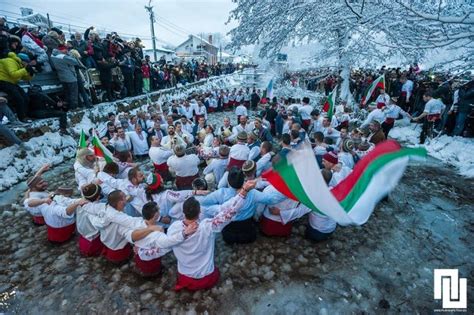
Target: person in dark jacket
(42,106)
(254,99)
(127,65)
(464,106)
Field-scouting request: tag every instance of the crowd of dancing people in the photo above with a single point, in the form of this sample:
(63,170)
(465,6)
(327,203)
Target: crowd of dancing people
(204,179)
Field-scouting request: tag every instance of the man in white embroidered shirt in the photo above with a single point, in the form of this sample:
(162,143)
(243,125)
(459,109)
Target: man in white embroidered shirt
(195,255)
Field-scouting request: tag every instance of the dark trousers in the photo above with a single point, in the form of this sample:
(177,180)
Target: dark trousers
(86,102)
(138,84)
(107,86)
(48,113)
(240,232)
(315,235)
(386,127)
(18,98)
(72,94)
(424,130)
(129,85)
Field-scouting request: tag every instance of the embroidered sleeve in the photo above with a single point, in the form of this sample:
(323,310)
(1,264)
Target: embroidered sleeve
(227,212)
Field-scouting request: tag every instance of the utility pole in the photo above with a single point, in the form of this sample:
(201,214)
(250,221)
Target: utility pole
(149,8)
(49,21)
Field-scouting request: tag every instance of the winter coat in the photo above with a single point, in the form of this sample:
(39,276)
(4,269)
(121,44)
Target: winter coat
(12,70)
(51,43)
(146,71)
(81,46)
(64,66)
(466,98)
(36,47)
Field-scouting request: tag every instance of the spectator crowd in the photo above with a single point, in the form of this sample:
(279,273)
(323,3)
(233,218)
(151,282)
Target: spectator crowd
(409,88)
(89,68)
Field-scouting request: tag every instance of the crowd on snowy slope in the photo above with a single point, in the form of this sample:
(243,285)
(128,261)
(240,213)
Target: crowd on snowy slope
(409,87)
(205,179)
(123,70)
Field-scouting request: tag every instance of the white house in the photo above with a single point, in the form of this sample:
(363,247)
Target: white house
(198,48)
(160,51)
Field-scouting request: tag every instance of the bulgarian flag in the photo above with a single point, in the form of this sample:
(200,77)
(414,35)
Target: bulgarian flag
(82,140)
(353,200)
(379,83)
(101,151)
(270,90)
(330,103)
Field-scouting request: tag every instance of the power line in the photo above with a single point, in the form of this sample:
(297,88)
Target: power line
(64,21)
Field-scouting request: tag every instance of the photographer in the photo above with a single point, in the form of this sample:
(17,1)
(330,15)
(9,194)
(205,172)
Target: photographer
(12,70)
(42,106)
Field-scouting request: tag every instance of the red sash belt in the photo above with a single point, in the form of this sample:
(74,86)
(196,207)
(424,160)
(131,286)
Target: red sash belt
(90,248)
(148,267)
(119,255)
(433,117)
(38,220)
(306,123)
(274,228)
(234,162)
(207,282)
(185,182)
(161,167)
(60,235)
(390,121)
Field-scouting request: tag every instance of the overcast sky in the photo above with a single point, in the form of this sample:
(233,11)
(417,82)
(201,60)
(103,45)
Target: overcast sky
(175,18)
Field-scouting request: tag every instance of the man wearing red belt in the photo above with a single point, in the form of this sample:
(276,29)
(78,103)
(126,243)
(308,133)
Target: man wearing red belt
(431,115)
(195,255)
(239,152)
(185,166)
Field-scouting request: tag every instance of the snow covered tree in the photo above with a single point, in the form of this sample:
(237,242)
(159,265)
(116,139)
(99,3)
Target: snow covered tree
(434,25)
(354,31)
(345,28)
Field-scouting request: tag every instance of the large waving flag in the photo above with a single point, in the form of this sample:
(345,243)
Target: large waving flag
(379,83)
(353,200)
(101,151)
(330,104)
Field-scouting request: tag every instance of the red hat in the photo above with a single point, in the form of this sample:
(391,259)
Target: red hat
(380,105)
(154,181)
(331,157)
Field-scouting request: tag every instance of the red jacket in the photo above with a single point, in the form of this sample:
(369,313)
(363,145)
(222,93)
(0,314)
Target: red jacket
(146,71)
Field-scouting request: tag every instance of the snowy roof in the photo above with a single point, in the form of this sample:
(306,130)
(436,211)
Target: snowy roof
(225,55)
(198,38)
(161,49)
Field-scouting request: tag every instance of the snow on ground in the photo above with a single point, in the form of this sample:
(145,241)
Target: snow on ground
(288,90)
(53,148)
(455,151)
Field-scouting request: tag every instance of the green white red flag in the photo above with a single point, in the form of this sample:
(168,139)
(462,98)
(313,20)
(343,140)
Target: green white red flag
(82,140)
(101,151)
(379,83)
(353,200)
(330,104)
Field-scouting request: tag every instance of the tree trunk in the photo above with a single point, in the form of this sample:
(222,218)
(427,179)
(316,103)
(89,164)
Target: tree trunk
(345,68)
